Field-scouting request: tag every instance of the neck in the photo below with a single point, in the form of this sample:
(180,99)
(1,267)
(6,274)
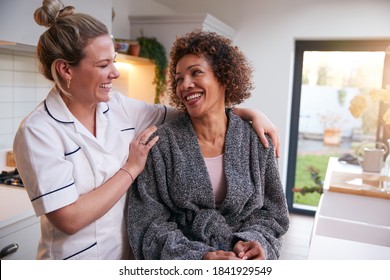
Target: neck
(85,114)
(210,131)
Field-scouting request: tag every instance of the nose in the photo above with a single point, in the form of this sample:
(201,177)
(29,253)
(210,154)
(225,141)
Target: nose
(187,83)
(114,74)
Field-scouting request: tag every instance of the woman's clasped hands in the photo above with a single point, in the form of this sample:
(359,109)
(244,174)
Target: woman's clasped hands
(243,250)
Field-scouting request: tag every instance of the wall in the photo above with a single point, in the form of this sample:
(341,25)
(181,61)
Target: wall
(165,28)
(22,87)
(125,8)
(312,111)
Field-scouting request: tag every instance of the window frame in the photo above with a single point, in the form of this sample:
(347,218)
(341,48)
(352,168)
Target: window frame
(315,45)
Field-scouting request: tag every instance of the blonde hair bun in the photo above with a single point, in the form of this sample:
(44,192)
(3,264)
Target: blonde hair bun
(51,11)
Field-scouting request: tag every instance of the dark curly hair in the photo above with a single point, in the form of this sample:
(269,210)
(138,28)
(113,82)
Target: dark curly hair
(228,63)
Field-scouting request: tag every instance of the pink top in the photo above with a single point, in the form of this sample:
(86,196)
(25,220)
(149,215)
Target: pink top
(216,171)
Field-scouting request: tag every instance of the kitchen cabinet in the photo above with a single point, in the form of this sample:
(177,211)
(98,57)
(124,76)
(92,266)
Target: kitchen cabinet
(349,226)
(19,227)
(18,25)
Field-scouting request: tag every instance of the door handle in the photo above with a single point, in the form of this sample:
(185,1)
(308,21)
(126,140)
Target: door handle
(8,250)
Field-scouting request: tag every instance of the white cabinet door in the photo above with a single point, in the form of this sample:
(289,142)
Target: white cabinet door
(19,241)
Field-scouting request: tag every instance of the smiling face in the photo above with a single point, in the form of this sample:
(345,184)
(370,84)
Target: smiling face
(197,87)
(91,79)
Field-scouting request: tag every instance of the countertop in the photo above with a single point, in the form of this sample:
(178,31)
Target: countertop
(15,205)
(350,226)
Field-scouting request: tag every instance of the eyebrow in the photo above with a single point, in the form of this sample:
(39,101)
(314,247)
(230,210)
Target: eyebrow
(106,59)
(189,67)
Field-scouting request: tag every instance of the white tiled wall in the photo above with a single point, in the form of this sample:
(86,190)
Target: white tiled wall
(22,87)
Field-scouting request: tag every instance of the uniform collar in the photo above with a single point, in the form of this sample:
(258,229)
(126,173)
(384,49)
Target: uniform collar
(57,109)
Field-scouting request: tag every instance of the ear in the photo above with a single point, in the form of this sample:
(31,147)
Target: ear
(63,69)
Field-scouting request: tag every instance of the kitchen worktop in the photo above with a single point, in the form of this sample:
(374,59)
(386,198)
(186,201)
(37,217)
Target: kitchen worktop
(14,201)
(14,205)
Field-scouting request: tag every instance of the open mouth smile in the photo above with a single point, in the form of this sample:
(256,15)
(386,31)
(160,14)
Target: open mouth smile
(106,86)
(193,96)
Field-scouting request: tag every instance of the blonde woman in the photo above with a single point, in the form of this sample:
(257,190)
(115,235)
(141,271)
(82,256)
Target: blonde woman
(80,150)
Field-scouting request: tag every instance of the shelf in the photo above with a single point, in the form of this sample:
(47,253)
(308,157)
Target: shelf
(133,59)
(136,80)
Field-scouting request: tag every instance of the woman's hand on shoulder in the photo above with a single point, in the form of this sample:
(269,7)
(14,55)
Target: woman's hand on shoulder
(139,150)
(262,125)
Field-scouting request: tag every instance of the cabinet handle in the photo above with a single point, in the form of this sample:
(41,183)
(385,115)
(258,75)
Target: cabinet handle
(8,250)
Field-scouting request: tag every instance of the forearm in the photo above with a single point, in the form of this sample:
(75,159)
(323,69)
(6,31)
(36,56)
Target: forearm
(172,114)
(92,205)
(246,113)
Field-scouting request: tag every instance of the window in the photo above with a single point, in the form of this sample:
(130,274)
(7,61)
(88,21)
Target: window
(327,76)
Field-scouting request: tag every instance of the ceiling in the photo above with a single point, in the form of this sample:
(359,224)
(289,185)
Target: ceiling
(228,14)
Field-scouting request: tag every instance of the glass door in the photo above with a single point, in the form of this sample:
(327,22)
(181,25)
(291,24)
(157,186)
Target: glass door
(330,78)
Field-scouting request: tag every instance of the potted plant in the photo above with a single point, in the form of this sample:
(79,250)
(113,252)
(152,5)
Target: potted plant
(332,131)
(318,182)
(373,107)
(155,51)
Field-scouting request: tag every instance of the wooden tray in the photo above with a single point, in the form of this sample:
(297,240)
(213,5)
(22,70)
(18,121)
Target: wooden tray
(364,184)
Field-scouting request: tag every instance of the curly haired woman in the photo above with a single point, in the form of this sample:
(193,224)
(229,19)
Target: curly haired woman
(209,190)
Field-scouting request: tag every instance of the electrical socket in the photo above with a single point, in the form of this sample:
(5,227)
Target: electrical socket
(10,161)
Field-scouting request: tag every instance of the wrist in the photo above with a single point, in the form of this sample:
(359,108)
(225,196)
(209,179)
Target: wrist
(129,172)
(206,256)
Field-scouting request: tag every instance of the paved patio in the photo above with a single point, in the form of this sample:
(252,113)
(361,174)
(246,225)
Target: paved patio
(310,146)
